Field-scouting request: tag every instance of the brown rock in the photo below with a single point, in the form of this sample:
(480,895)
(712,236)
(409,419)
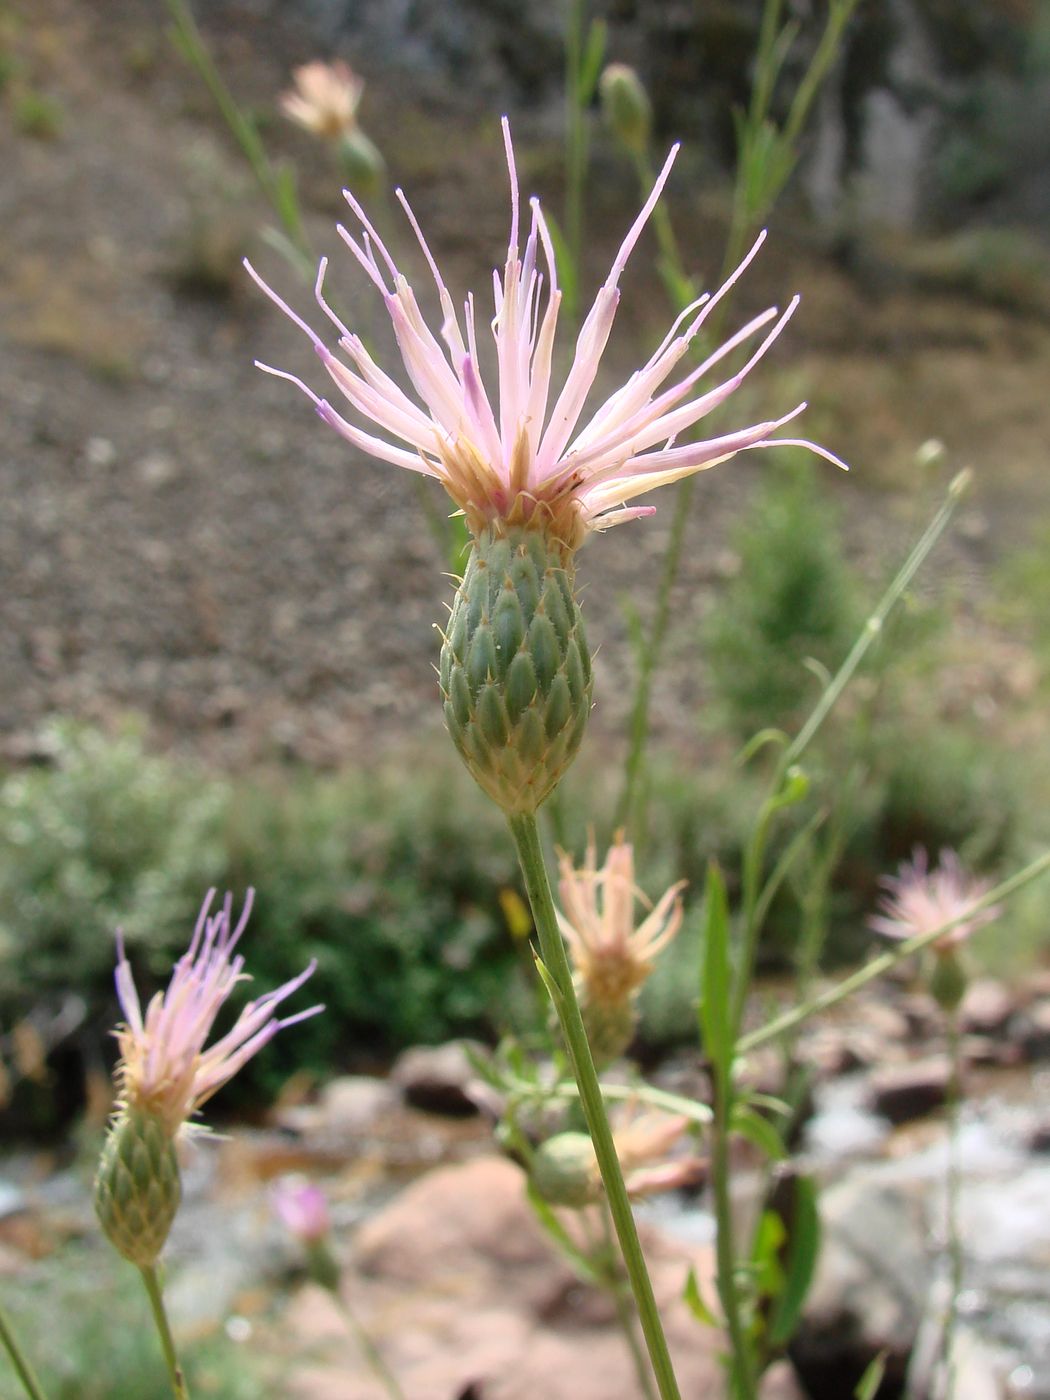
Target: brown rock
(986,1008)
(437,1078)
(903,1092)
(1030,1031)
(459,1287)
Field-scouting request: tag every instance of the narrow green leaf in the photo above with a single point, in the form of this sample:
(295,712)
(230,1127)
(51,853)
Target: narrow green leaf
(758,1130)
(759,741)
(803,1250)
(694,1301)
(591,61)
(870,1383)
(714,975)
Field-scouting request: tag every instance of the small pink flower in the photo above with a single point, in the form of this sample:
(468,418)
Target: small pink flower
(611,956)
(164,1068)
(325,99)
(918,900)
(302,1208)
(526,455)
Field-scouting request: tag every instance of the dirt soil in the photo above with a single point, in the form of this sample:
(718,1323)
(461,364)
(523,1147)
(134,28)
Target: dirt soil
(180,537)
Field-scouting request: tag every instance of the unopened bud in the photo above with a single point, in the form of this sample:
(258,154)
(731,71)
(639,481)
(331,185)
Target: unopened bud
(626,106)
(363,167)
(610,1027)
(565,1171)
(948,981)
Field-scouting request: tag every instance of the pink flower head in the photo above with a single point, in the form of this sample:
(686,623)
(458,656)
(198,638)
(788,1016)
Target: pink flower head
(918,900)
(164,1067)
(611,956)
(302,1208)
(325,98)
(527,455)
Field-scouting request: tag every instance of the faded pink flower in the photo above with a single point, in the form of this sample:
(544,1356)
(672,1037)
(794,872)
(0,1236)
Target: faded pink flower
(302,1208)
(644,1144)
(516,457)
(325,98)
(164,1068)
(611,956)
(918,900)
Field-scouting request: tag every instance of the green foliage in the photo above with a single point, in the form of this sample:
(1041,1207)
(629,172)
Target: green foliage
(794,599)
(394,887)
(83,1320)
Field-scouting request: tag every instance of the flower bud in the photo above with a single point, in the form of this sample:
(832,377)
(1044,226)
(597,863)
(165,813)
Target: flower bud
(515,669)
(565,1171)
(948,980)
(363,166)
(137,1188)
(626,106)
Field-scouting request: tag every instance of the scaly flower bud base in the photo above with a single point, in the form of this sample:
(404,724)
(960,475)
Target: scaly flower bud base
(515,669)
(137,1188)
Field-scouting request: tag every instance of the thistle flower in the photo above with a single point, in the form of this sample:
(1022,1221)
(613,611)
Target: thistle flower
(564,1169)
(611,957)
(918,900)
(325,98)
(531,482)
(165,1075)
(517,458)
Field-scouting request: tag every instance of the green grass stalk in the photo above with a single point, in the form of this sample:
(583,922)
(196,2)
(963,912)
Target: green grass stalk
(23,1369)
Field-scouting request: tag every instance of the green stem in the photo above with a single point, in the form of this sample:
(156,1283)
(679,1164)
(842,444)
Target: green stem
(873,628)
(156,1301)
(741,1371)
(19,1360)
(525,831)
(372,1354)
(624,1313)
(885,961)
(953,1183)
(280,192)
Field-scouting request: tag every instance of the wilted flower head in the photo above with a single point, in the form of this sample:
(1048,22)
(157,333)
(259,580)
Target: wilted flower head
(918,900)
(520,456)
(302,1208)
(325,98)
(165,1070)
(611,956)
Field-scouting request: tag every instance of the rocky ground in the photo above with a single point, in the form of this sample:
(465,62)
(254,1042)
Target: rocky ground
(179,536)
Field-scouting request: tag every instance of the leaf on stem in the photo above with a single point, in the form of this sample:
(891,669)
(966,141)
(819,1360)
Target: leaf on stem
(694,1301)
(803,1250)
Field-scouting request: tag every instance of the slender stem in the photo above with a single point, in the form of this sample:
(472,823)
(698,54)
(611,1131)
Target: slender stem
(877,966)
(19,1360)
(624,1313)
(873,628)
(741,1372)
(525,831)
(953,1183)
(280,192)
(372,1354)
(156,1301)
